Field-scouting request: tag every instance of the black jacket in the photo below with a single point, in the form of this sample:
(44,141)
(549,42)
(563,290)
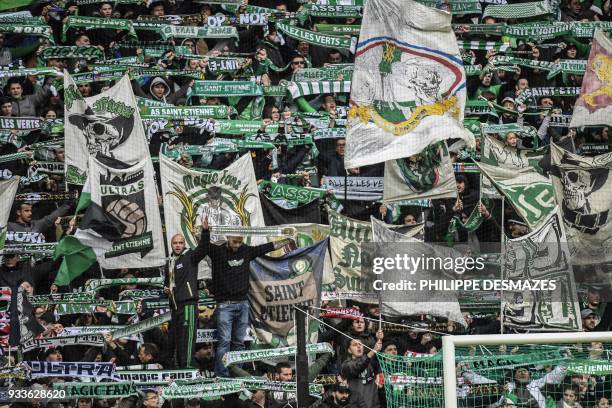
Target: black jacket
(185,289)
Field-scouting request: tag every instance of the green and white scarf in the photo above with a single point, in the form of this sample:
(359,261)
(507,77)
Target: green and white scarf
(97,390)
(73,51)
(316,10)
(187,112)
(93,285)
(221,65)
(247,356)
(226,88)
(172,31)
(83,340)
(493,29)
(518,10)
(484,45)
(297,89)
(537,31)
(338,29)
(329,133)
(30,26)
(301,195)
(312,37)
(252,231)
(202,391)
(532,93)
(340,72)
(156,376)
(471,224)
(142,326)
(458,7)
(38,300)
(93,23)
(21,72)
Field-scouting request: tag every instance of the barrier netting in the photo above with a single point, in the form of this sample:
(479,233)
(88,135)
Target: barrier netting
(566,375)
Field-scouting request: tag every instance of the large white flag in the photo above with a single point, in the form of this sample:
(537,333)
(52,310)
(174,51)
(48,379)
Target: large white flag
(107,123)
(129,195)
(594,106)
(408,86)
(583,188)
(541,255)
(228,197)
(411,303)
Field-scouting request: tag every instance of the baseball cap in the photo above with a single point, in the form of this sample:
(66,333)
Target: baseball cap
(584,313)
(508,99)
(515,221)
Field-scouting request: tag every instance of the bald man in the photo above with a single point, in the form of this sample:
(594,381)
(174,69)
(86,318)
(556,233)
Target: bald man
(181,285)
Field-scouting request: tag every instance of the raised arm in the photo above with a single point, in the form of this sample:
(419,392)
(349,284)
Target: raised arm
(204,246)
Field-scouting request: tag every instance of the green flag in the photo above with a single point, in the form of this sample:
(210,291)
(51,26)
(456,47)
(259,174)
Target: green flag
(77,259)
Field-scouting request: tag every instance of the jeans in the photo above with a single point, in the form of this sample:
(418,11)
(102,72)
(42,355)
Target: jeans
(232,320)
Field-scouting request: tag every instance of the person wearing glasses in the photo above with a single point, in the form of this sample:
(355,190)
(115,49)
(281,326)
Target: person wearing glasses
(297,62)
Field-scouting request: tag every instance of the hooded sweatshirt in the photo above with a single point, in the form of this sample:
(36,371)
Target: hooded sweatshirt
(174,98)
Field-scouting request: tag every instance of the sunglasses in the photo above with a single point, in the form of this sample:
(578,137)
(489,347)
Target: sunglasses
(298,63)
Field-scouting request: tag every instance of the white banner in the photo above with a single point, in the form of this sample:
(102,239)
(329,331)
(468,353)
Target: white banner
(228,197)
(583,188)
(541,255)
(107,123)
(129,195)
(442,304)
(408,87)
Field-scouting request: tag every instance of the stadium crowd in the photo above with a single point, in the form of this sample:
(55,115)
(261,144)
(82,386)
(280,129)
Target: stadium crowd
(267,56)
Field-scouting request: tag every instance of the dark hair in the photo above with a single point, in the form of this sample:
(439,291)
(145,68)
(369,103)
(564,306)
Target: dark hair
(52,351)
(150,348)
(281,365)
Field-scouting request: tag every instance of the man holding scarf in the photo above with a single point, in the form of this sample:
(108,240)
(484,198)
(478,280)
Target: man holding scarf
(181,285)
(230,286)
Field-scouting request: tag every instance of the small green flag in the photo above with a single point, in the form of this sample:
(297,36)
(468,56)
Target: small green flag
(77,259)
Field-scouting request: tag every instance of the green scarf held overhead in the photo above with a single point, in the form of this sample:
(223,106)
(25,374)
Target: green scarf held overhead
(27,26)
(336,11)
(491,29)
(499,46)
(187,112)
(301,195)
(518,10)
(225,65)
(97,390)
(92,23)
(534,93)
(312,37)
(586,29)
(341,72)
(338,29)
(241,127)
(223,89)
(73,51)
(471,224)
(172,31)
(537,31)
(458,7)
